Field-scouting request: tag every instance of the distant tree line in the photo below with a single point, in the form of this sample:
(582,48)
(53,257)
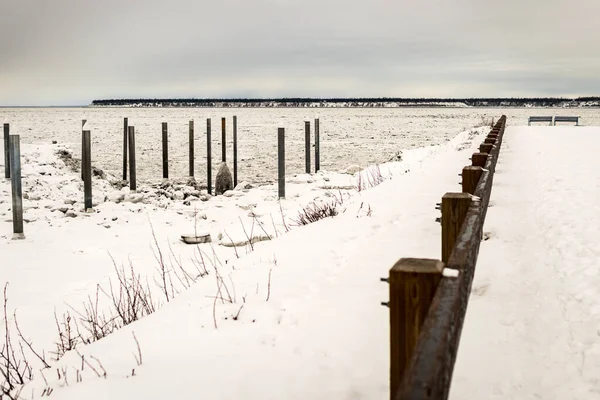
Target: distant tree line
(350,101)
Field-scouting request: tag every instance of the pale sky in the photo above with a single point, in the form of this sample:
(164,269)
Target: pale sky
(69,52)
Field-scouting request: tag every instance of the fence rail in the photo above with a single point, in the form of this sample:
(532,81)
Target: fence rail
(427,372)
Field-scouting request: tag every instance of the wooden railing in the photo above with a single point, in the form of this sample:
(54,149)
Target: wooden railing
(428,298)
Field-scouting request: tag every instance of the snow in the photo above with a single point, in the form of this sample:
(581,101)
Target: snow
(304,319)
(532,327)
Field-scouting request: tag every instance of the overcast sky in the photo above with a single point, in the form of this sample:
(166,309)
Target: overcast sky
(69,52)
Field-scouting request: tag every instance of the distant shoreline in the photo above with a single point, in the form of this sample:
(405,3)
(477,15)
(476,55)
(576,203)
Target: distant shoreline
(582,102)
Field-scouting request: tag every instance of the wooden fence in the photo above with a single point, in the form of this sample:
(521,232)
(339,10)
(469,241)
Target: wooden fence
(428,298)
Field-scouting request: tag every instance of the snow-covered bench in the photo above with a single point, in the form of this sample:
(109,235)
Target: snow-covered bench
(566,119)
(540,119)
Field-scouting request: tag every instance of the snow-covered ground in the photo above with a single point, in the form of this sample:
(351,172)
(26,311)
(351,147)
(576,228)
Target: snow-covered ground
(532,328)
(296,316)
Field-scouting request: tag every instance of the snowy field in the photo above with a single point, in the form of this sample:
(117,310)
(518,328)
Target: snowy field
(532,329)
(270,309)
(294,315)
(353,136)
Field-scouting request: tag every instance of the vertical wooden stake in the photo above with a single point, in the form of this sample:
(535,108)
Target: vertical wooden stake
(17,193)
(317,147)
(281,161)
(6,151)
(131,144)
(125,125)
(87,172)
(454,211)
(208,158)
(83,121)
(165,150)
(191,139)
(413,283)
(479,159)
(307,145)
(223,141)
(489,140)
(235,155)
(470,178)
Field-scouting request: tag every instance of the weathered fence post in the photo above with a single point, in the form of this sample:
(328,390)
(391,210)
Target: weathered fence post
(281,161)
(489,140)
(165,150)
(125,125)
(486,148)
(470,178)
(191,146)
(235,155)
(307,145)
(131,144)
(317,147)
(208,158)
(454,210)
(479,159)
(83,121)
(223,141)
(6,151)
(17,193)
(413,282)
(87,172)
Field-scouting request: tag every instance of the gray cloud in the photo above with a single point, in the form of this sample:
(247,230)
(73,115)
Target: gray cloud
(72,51)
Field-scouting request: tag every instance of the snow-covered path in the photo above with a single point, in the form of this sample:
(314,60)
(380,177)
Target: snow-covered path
(532,328)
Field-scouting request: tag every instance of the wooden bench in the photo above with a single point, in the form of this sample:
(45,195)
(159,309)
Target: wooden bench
(566,119)
(540,119)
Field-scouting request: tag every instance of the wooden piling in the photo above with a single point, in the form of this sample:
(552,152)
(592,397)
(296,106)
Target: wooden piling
(317,147)
(83,121)
(223,141)
(87,171)
(6,151)
(307,145)
(235,155)
(479,159)
(191,147)
(125,125)
(281,161)
(208,158)
(454,210)
(14,144)
(131,145)
(165,150)
(412,285)
(470,178)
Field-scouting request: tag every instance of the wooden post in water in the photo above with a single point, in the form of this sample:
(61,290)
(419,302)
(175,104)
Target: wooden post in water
(125,125)
(165,150)
(235,155)
(208,158)
(317,147)
(454,211)
(479,159)
(281,161)
(223,141)
(131,144)
(191,140)
(6,151)
(87,171)
(470,178)
(307,145)
(413,282)
(17,193)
